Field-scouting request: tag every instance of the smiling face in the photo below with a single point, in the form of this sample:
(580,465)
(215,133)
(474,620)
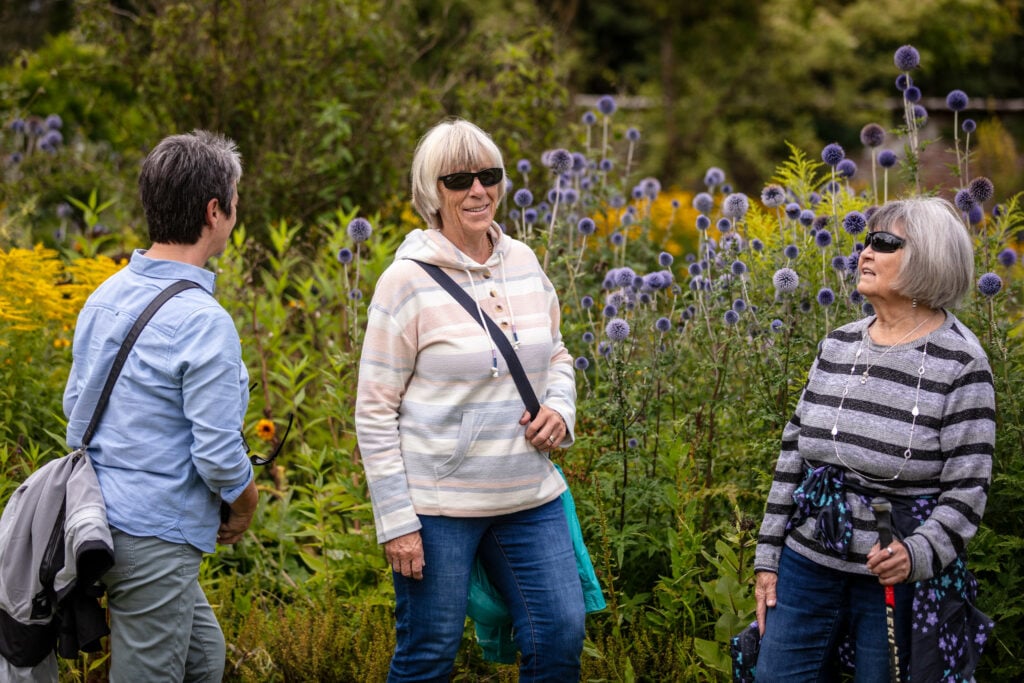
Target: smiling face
(879,271)
(466,215)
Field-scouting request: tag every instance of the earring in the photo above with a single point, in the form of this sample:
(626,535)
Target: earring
(913,302)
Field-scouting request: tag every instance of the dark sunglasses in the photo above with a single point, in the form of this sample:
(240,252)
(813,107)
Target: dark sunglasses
(464,179)
(884,242)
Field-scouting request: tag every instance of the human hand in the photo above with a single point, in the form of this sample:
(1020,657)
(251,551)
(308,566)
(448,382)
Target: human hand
(546,431)
(890,564)
(764,594)
(232,530)
(405,555)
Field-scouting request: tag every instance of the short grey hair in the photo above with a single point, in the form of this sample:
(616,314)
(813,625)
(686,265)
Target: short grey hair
(449,147)
(938,258)
(178,179)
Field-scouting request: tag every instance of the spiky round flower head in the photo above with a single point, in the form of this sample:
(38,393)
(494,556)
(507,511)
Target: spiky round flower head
(632,134)
(663,324)
(814,199)
(588,337)
(627,219)
(359,230)
(579,163)
(513,214)
(665,259)
(957,100)
(920,115)
(856,298)
(64,211)
(695,269)
(832,154)
(569,196)
(855,222)
(806,218)
(989,284)
(903,81)
(738,267)
(632,443)
(773,196)
(714,176)
(776,326)
(968,126)
(559,161)
(637,192)
(15,158)
(912,94)
(981,189)
(589,118)
(355,294)
(523,198)
(617,239)
(823,238)
(651,187)
(872,135)
(976,214)
(831,186)
(846,168)
(703,222)
(963,200)
(887,158)
(739,305)
(609,311)
(581,363)
(51,140)
(785,280)
(617,329)
(18,125)
(606,105)
(53,122)
(736,205)
(853,261)
(867,309)
(792,211)
(839,263)
(703,202)
(731,317)
(1008,257)
(587,301)
(586,226)
(530,216)
(826,297)
(345,255)
(524,166)
(907,58)
(756,244)
(724,225)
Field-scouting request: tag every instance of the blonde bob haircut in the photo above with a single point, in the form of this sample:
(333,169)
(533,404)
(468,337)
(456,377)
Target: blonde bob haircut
(451,146)
(938,258)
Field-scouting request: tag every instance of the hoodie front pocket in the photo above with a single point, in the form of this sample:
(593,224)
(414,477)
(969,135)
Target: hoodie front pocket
(473,423)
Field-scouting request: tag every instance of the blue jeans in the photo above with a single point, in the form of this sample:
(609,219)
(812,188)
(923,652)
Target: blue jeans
(529,558)
(815,606)
(161,626)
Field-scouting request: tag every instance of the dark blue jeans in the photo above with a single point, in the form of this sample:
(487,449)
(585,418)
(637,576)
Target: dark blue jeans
(529,558)
(815,605)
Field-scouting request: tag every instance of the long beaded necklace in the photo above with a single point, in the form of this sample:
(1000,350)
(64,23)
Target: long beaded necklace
(915,412)
(867,369)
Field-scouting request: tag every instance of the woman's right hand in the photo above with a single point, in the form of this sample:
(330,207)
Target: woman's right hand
(405,555)
(764,593)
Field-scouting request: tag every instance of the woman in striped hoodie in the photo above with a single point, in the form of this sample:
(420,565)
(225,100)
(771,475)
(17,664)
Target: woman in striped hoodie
(456,468)
(898,406)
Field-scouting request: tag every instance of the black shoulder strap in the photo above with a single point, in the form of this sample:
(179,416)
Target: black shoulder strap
(126,347)
(504,345)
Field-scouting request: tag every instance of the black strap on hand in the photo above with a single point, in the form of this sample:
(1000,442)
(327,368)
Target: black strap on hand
(515,367)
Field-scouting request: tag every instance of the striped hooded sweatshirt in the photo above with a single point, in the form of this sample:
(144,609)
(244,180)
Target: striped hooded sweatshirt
(951,448)
(438,429)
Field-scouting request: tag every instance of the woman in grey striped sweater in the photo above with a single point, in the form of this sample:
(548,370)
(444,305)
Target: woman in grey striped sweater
(898,406)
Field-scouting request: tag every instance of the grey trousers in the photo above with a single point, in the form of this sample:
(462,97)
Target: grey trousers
(161,625)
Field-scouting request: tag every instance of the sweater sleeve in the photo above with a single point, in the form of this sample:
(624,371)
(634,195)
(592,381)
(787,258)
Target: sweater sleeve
(967,439)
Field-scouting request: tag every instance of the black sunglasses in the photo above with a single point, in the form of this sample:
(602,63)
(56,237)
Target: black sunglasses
(884,242)
(464,179)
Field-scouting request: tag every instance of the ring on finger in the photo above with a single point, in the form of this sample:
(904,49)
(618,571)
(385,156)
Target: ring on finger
(890,550)
(551,439)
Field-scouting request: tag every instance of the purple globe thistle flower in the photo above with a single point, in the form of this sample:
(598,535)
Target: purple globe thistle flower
(703,222)
(632,134)
(588,337)
(839,263)
(773,196)
(912,94)
(15,158)
(581,363)
(846,168)
(35,126)
(826,297)
(523,198)
(18,125)
(853,261)
(981,189)
(791,251)
(855,222)
(968,126)
(776,326)
(604,348)
(637,192)
(355,295)
(956,100)
(739,305)
(609,311)
(997,210)
(823,238)
(738,267)
(513,214)
(624,277)
(856,298)
(756,244)
(569,196)
(665,259)
(530,216)
(606,105)
(627,219)
(726,188)
(53,122)
(831,186)
(887,158)
(579,163)
(869,212)
(64,211)
(736,205)
(963,200)
(617,329)
(663,324)
(714,176)
(703,202)
(651,187)
(345,255)
(785,280)
(872,135)
(587,301)
(1008,257)
(867,308)
(359,229)
(589,118)
(989,284)
(586,226)
(632,443)
(832,154)
(903,81)
(559,161)
(51,140)
(792,211)
(907,58)
(806,218)
(731,317)
(976,214)
(920,115)
(814,199)
(606,165)
(524,166)
(724,225)
(695,269)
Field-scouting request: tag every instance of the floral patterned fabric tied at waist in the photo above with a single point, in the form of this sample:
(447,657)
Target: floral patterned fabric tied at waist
(822,495)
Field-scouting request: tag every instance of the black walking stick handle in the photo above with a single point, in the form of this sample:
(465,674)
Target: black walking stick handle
(883,520)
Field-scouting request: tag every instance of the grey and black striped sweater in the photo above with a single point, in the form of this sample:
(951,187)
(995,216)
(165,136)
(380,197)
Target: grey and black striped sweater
(951,451)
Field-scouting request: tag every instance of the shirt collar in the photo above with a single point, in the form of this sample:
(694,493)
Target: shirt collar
(171,270)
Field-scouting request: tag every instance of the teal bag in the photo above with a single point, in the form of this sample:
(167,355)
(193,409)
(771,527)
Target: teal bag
(490,615)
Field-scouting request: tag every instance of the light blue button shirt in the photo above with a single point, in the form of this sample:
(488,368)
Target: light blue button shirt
(169,446)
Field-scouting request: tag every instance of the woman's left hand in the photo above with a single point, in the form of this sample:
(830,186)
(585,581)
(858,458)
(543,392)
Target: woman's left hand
(546,431)
(890,564)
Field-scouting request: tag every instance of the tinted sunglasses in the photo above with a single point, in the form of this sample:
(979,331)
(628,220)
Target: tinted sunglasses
(884,242)
(464,179)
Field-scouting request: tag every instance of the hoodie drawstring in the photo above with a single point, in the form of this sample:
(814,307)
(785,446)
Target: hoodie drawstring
(483,322)
(508,303)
